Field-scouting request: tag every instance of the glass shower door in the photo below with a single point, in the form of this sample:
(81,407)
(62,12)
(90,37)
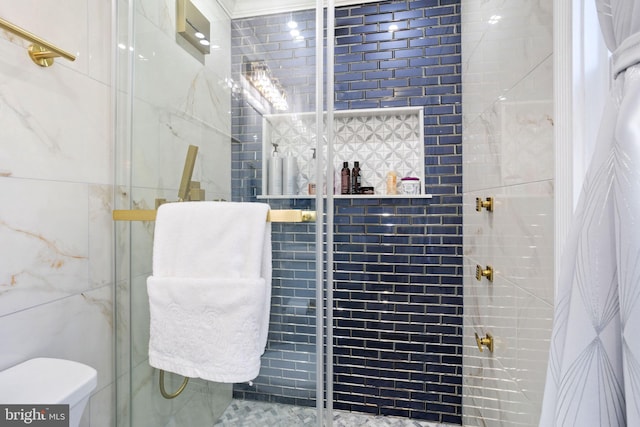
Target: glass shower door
(256,88)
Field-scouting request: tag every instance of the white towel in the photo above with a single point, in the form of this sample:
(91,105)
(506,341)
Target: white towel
(210,291)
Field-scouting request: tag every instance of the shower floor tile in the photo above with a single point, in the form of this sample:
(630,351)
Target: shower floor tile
(244,413)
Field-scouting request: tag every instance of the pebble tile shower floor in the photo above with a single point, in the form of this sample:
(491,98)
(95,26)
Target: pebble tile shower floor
(244,413)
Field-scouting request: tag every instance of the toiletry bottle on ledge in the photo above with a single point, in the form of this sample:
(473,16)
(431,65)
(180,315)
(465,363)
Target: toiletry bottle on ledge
(356,179)
(289,175)
(345,179)
(392,183)
(274,172)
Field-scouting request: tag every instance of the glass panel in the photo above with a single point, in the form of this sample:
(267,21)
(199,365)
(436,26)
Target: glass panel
(272,162)
(171,96)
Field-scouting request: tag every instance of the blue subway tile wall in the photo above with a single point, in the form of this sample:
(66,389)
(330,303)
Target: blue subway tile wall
(398,262)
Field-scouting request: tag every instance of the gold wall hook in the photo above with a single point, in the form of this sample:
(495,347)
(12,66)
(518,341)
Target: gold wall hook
(487,204)
(486,272)
(486,341)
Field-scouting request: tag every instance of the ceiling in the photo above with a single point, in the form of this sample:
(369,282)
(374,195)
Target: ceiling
(246,8)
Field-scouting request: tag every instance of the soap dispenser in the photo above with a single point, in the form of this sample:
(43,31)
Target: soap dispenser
(274,172)
(312,174)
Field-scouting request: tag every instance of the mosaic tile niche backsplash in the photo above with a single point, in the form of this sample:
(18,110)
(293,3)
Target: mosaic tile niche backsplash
(381,140)
(398,261)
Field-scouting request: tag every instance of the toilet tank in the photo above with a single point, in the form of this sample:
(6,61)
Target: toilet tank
(47,381)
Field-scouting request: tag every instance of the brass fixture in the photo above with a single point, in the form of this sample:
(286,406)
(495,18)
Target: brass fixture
(291,215)
(487,272)
(190,190)
(187,173)
(164,393)
(486,341)
(196,194)
(279,215)
(41,52)
(134,215)
(193,26)
(487,204)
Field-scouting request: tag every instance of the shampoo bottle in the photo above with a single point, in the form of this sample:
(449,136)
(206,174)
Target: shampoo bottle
(312,174)
(356,180)
(345,179)
(290,175)
(274,172)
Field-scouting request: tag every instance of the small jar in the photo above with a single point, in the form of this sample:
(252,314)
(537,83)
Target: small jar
(410,185)
(367,190)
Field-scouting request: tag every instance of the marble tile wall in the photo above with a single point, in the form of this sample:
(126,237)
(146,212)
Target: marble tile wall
(56,182)
(508,155)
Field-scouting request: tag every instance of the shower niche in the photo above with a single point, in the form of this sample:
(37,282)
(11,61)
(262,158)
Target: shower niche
(381,140)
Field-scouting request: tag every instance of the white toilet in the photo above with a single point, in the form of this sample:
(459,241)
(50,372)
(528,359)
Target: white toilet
(44,381)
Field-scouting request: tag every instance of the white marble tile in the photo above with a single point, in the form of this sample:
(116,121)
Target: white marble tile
(506,41)
(492,398)
(99,39)
(522,237)
(161,140)
(508,155)
(101,224)
(189,88)
(161,13)
(100,410)
(122,315)
(512,141)
(123,406)
(534,322)
(53,22)
(78,328)
(139,328)
(47,228)
(142,233)
(55,123)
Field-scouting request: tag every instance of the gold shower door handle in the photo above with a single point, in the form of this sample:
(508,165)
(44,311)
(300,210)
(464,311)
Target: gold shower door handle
(484,272)
(486,341)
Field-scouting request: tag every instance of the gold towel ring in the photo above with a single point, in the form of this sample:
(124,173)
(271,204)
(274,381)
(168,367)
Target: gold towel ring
(172,395)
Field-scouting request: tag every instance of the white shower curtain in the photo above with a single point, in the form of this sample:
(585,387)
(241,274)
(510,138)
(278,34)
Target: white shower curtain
(593,378)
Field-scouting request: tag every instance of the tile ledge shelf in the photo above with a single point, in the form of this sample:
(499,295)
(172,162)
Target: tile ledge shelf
(351,196)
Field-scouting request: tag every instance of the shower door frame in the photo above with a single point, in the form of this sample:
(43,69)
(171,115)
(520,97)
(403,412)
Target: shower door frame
(124,76)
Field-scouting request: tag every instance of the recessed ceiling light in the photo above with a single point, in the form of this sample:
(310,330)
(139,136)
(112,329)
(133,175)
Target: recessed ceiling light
(199,35)
(204,42)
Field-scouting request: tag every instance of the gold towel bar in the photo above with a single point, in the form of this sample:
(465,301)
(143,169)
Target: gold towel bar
(41,51)
(280,215)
